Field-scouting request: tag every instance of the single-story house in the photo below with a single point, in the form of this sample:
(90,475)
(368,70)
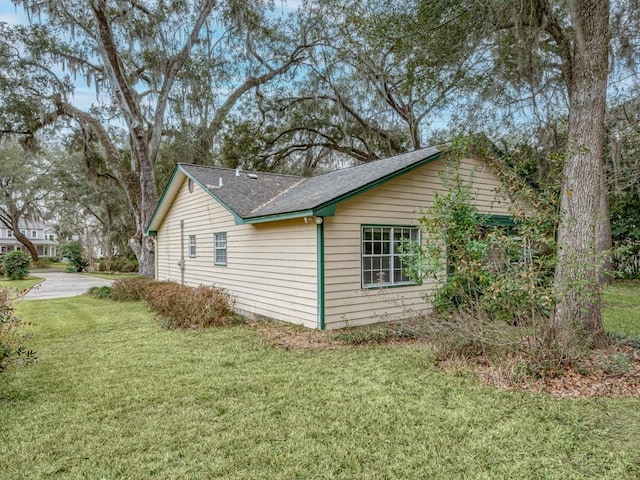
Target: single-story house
(318,251)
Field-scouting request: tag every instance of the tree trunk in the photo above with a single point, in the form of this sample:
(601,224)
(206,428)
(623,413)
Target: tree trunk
(577,320)
(27,244)
(604,242)
(140,243)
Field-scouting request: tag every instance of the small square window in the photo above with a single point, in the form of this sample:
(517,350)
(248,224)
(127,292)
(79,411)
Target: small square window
(34,234)
(9,233)
(220,248)
(192,246)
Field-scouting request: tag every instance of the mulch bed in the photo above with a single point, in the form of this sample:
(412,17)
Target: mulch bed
(610,372)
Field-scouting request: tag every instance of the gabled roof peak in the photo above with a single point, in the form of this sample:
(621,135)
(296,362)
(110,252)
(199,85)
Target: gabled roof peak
(273,196)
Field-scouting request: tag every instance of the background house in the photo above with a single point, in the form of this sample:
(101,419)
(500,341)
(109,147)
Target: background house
(43,237)
(318,251)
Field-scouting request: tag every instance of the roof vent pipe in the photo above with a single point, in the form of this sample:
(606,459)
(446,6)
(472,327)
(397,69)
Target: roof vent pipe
(238,169)
(220,182)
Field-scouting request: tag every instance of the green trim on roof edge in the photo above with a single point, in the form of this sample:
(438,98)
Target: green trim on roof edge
(238,219)
(331,205)
(326,209)
(277,216)
(177,169)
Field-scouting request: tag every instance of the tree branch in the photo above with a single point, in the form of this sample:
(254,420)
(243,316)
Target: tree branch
(173,68)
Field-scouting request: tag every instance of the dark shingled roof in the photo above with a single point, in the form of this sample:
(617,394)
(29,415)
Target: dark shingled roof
(240,193)
(272,194)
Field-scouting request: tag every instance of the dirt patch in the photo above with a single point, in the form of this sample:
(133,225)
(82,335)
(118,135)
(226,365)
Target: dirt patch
(291,337)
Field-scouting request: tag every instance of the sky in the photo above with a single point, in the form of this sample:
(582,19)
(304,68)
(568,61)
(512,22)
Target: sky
(85,96)
(9,13)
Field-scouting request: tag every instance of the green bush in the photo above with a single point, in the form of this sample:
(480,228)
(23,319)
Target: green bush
(503,271)
(123,265)
(73,251)
(12,350)
(101,292)
(16,265)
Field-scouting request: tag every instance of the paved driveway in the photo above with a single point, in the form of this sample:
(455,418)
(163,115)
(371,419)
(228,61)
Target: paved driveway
(61,284)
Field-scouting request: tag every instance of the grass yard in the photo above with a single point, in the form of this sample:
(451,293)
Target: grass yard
(622,308)
(115,396)
(20,285)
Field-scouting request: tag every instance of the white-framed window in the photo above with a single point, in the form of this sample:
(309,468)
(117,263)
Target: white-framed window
(381,257)
(34,234)
(220,248)
(50,236)
(23,232)
(9,233)
(192,246)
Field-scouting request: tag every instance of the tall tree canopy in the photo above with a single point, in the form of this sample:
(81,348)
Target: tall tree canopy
(25,188)
(135,54)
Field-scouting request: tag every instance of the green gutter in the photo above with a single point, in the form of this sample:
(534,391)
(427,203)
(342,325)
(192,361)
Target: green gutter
(278,216)
(320,268)
(328,209)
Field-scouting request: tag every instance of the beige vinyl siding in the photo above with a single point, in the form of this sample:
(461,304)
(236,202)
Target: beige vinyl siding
(395,203)
(271,267)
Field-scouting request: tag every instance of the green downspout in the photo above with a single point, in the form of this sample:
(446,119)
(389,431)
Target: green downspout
(320,268)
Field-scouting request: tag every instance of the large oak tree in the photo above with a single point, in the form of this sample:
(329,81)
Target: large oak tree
(134,53)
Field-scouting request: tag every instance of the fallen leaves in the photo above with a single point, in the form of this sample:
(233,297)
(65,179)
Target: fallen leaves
(610,372)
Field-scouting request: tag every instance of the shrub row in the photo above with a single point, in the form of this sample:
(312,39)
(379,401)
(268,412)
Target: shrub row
(177,306)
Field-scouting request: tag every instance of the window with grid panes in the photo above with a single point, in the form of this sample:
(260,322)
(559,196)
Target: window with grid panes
(381,258)
(192,246)
(220,248)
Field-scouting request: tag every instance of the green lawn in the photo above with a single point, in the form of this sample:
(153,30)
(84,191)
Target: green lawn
(20,285)
(114,396)
(622,308)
